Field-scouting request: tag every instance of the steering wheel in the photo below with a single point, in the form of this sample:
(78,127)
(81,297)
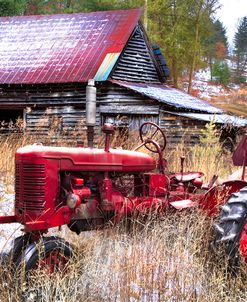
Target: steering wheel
(148,131)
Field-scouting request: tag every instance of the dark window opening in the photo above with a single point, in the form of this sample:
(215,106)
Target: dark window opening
(228,138)
(11,121)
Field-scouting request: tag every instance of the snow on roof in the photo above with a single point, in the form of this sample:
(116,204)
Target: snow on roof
(170,96)
(217,118)
(62,48)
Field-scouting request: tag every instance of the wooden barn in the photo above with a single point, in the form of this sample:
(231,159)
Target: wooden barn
(46,62)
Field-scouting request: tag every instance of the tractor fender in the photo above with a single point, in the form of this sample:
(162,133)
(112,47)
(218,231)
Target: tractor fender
(183,204)
(218,195)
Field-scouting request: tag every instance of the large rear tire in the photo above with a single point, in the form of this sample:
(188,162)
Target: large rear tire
(231,228)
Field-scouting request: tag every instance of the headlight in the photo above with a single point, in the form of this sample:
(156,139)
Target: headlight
(73,200)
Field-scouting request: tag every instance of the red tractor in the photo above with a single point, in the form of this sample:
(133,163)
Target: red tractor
(90,188)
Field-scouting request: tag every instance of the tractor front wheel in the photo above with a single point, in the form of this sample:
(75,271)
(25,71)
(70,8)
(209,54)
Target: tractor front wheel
(19,244)
(231,228)
(50,253)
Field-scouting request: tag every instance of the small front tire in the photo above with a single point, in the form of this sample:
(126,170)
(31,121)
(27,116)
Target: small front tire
(50,253)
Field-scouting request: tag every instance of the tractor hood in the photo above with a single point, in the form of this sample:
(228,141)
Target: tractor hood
(87,159)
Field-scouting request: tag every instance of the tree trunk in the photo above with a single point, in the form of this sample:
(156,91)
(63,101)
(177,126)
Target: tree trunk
(174,73)
(146,15)
(194,55)
(210,67)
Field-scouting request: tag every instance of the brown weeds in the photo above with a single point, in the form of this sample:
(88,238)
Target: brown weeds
(165,259)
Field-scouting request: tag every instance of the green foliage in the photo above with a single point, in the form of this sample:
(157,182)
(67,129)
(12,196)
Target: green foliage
(74,6)
(240,38)
(207,155)
(219,34)
(178,26)
(214,41)
(209,135)
(12,7)
(241,79)
(221,73)
(214,34)
(240,49)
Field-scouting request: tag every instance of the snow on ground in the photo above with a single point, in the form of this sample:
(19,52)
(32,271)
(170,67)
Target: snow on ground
(203,88)
(203,75)
(8,231)
(206,90)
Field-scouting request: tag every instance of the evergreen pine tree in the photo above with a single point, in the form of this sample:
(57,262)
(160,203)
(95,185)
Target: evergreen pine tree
(240,50)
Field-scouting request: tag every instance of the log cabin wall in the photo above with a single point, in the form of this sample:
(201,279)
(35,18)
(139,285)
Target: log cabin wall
(53,109)
(180,129)
(57,110)
(46,107)
(125,108)
(137,62)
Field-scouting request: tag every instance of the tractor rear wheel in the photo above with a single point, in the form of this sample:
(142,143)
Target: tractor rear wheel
(50,253)
(231,228)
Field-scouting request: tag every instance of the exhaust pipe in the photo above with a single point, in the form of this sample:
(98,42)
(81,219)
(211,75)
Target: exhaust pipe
(90,111)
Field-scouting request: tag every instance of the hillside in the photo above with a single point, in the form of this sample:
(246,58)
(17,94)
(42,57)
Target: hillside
(232,98)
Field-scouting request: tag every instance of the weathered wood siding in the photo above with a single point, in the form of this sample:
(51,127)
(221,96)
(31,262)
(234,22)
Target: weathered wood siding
(50,111)
(137,62)
(126,108)
(180,129)
(62,121)
(22,96)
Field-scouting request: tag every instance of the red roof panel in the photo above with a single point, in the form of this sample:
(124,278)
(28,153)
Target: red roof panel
(61,48)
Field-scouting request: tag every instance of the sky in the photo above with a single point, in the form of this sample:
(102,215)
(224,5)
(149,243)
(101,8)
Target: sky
(229,14)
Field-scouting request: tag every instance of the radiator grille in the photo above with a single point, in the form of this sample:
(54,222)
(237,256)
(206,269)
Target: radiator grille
(30,187)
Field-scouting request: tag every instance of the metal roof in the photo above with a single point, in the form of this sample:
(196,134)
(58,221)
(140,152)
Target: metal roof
(63,48)
(217,118)
(170,96)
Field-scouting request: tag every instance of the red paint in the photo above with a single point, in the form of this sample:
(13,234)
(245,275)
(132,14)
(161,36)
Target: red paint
(86,159)
(7,219)
(93,188)
(239,156)
(61,48)
(156,185)
(54,261)
(186,176)
(243,242)
(216,196)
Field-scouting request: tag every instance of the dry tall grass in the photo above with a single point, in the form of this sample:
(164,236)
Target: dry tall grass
(165,259)
(208,156)
(234,102)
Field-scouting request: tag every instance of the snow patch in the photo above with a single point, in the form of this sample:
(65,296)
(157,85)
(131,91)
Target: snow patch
(203,74)
(8,231)
(204,88)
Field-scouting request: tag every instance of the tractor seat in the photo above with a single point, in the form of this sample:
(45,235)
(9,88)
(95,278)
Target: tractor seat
(186,176)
